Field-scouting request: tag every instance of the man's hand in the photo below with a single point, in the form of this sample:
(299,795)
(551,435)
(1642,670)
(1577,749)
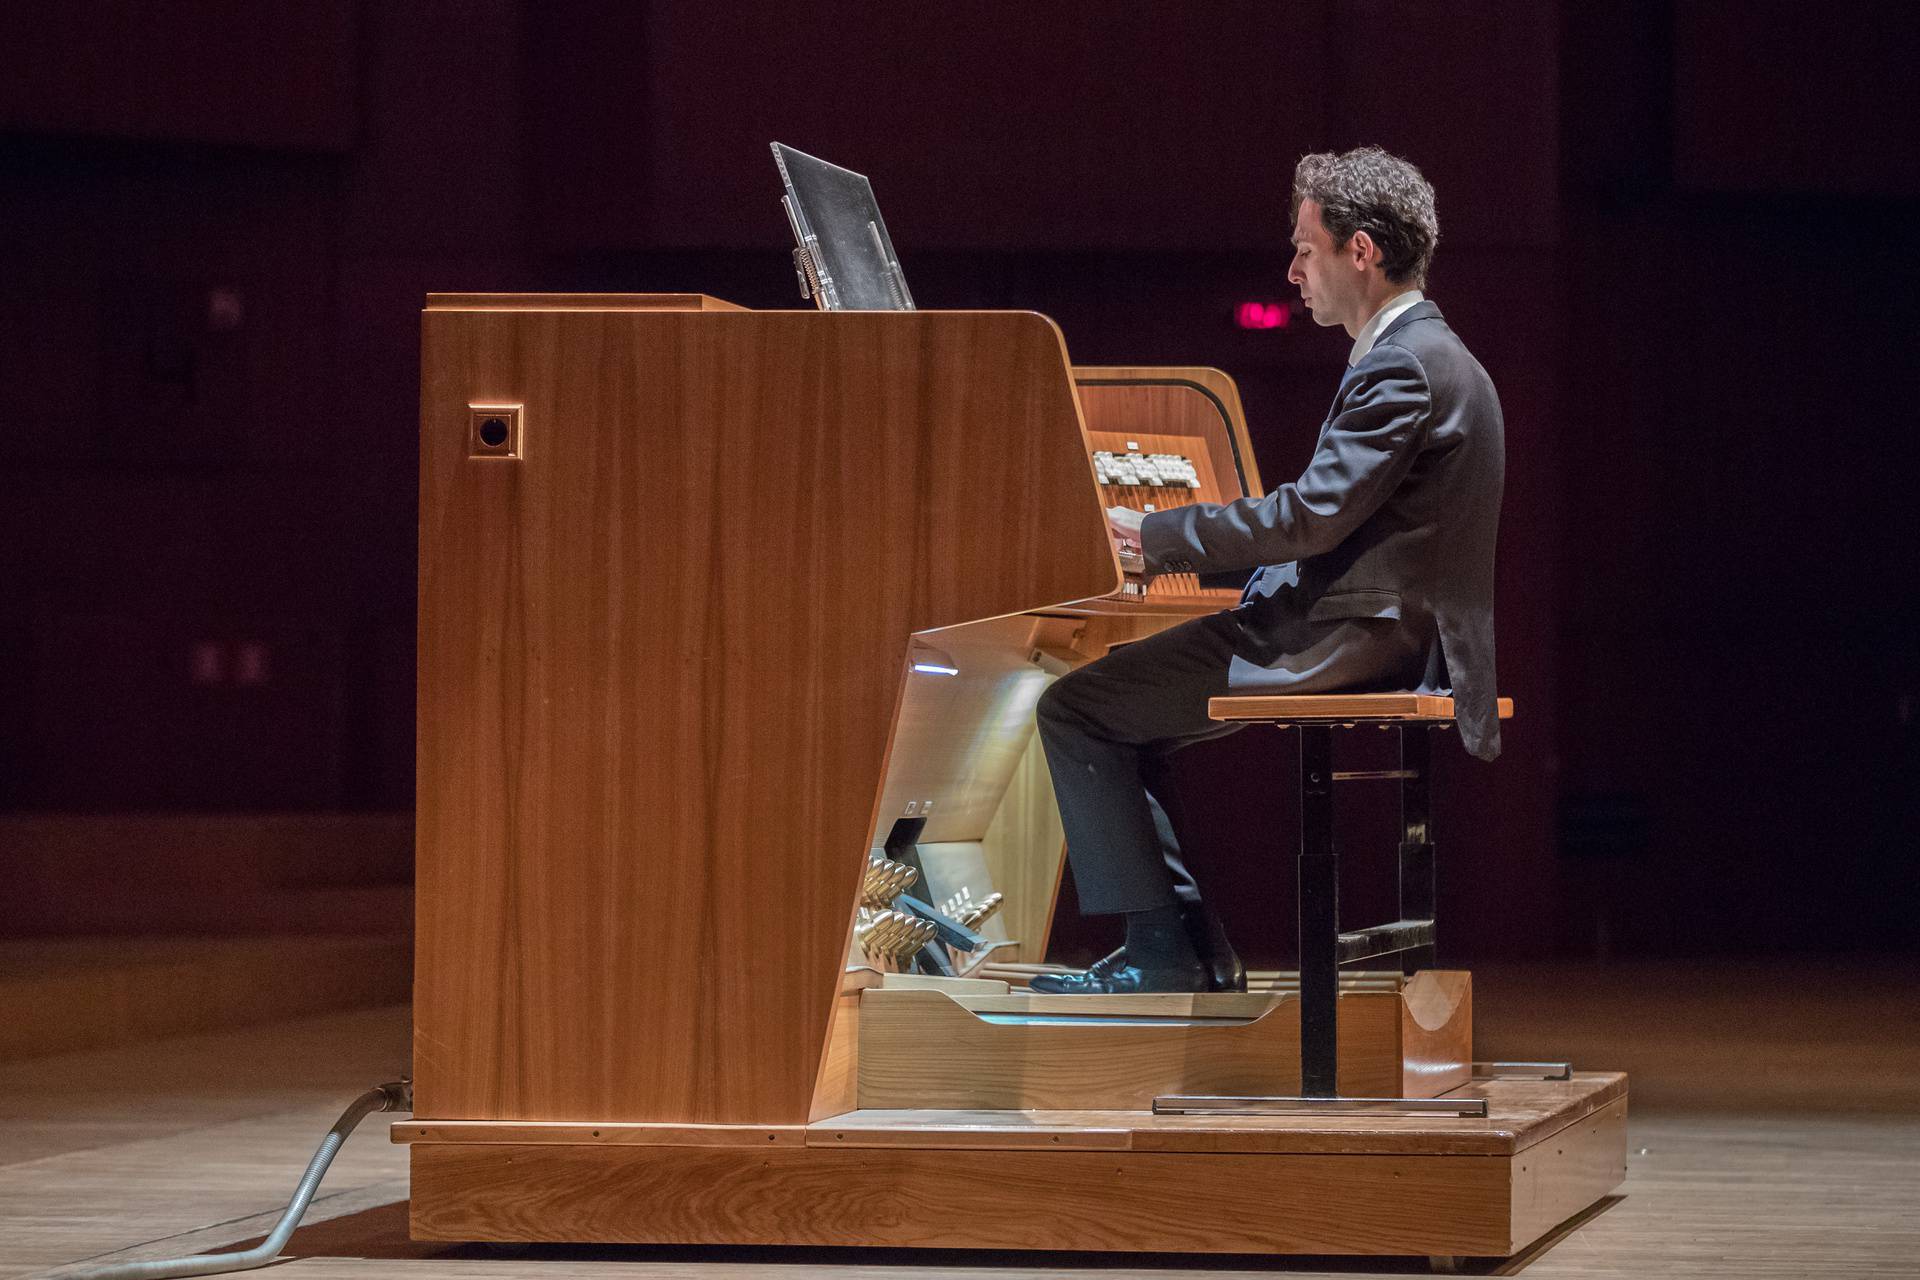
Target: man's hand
(1124,523)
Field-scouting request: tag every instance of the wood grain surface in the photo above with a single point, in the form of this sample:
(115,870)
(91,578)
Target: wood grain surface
(1279,708)
(660,659)
(1436,1032)
(838,1087)
(930,1049)
(1024,849)
(958,739)
(921,1049)
(1523,1113)
(1568,1170)
(541,1132)
(996,1198)
(1076,1179)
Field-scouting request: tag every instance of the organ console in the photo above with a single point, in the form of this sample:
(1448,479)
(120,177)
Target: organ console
(715,605)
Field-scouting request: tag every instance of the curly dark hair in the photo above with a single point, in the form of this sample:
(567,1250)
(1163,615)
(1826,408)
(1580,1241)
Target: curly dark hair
(1368,190)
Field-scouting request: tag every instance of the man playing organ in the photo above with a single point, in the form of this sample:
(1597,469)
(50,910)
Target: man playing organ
(1374,570)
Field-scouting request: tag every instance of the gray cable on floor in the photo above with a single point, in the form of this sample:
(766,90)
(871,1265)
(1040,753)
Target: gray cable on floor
(395,1096)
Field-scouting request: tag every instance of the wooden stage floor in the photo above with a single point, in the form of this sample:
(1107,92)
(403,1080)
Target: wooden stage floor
(1775,1132)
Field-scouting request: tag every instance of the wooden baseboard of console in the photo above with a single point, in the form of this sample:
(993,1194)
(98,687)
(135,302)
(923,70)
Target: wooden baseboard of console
(1060,1180)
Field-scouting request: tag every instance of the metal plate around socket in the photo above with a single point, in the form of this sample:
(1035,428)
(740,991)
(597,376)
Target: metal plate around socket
(494,430)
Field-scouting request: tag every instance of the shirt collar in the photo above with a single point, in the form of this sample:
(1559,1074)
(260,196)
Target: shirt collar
(1385,316)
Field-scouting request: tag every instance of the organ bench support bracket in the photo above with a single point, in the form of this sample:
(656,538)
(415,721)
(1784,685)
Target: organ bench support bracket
(1385,940)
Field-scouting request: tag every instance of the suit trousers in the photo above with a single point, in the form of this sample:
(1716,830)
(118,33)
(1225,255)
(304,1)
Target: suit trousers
(1109,729)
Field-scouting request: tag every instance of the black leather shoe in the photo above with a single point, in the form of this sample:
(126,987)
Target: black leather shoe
(1124,980)
(1216,953)
(1224,970)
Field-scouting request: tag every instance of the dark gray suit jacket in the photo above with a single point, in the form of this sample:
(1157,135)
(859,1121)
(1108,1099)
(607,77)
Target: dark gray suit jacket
(1377,563)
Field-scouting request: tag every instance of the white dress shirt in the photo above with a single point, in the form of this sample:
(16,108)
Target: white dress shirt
(1385,316)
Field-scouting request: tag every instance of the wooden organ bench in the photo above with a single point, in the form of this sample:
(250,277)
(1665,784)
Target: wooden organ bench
(713,604)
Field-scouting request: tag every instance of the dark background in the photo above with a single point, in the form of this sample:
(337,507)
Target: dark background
(1679,234)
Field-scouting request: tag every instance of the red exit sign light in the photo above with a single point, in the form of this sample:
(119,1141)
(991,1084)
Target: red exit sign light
(1263,315)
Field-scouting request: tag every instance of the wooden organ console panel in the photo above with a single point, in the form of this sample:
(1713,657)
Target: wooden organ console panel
(711,599)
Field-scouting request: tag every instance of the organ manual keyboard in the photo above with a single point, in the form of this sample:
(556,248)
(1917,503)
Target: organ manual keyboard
(715,603)
(1162,438)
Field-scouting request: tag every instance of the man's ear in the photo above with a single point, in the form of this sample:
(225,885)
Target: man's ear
(1362,250)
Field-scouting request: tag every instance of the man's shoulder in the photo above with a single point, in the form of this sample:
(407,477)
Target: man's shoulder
(1421,331)
(1456,381)
(1431,341)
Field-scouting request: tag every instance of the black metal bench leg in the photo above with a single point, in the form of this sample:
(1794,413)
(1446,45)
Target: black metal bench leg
(1319,917)
(1320,944)
(1418,888)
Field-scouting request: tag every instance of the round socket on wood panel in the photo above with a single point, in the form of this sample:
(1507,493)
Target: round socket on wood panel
(493,430)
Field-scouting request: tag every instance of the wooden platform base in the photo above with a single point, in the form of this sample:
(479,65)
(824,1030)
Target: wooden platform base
(1078,1180)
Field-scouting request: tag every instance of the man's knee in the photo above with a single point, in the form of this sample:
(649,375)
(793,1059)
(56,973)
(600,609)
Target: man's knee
(1066,704)
(1054,700)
